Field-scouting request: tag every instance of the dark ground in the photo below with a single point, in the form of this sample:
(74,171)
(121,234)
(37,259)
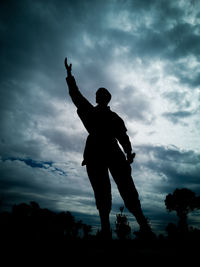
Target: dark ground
(94,252)
(30,235)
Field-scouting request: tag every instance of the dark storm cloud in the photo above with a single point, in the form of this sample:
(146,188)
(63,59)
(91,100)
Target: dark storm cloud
(183,107)
(176,117)
(47,21)
(135,105)
(179,98)
(186,74)
(27,180)
(161,32)
(164,35)
(64,140)
(177,169)
(48,30)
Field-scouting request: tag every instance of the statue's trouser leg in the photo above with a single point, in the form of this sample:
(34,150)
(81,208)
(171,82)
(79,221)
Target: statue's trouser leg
(121,173)
(99,179)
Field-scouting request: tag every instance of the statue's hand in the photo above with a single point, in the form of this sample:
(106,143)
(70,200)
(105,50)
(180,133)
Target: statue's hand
(68,68)
(130,157)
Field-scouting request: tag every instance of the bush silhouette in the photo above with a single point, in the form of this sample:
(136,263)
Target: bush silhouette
(123,230)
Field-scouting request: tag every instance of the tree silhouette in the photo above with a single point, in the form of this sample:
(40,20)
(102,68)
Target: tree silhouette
(29,222)
(182,201)
(123,230)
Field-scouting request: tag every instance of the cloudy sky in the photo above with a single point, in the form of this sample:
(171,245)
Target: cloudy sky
(146,52)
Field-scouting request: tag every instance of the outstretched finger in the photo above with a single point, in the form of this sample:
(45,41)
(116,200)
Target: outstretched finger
(66,63)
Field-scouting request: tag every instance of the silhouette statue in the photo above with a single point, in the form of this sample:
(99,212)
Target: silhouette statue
(102,154)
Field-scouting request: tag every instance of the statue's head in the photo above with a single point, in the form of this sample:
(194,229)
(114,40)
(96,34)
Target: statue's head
(103,96)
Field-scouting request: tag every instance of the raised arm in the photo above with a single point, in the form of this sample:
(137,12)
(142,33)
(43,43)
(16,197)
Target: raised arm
(78,99)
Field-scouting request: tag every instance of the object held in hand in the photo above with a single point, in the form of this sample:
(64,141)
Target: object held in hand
(130,157)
